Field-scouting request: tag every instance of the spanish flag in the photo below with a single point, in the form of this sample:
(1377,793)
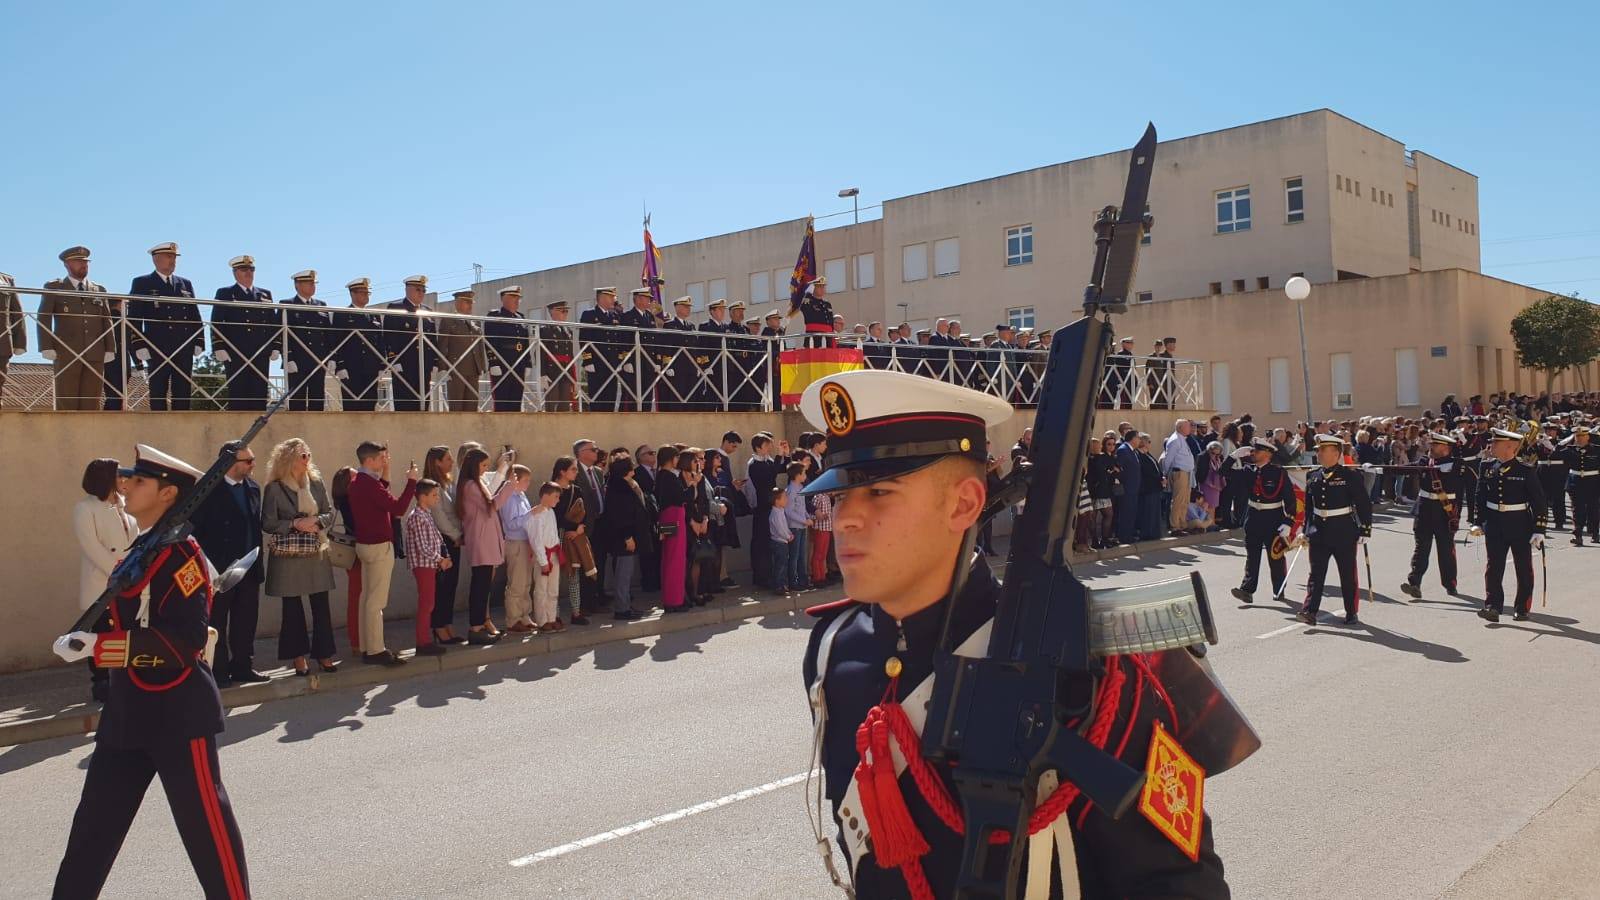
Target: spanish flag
(798,368)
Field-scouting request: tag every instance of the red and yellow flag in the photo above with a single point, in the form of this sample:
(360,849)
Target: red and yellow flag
(798,368)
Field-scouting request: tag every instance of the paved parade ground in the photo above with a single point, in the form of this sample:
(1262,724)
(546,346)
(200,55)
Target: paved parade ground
(1420,754)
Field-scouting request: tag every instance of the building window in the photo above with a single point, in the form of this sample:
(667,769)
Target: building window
(1144,240)
(1216,287)
(1278,380)
(1338,182)
(760,288)
(1406,392)
(1339,363)
(1020,317)
(1221,388)
(697,295)
(1413,223)
(914,262)
(717,289)
(1238,285)
(833,270)
(1294,196)
(1262,283)
(1357,191)
(1019,245)
(1144,297)
(1233,210)
(866,270)
(946,257)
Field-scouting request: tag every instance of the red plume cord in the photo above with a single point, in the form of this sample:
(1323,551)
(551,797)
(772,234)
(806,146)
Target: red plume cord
(896,842)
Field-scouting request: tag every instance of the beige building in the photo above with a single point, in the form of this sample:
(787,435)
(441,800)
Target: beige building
(1236,211)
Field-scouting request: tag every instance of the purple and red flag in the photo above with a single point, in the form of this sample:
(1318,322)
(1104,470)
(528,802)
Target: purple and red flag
(805,267)
(650,276)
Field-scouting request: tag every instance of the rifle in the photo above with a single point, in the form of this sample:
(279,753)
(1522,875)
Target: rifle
(999,722)
(172,527)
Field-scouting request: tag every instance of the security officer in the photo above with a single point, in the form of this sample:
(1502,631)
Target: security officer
(602,351)
(359,356)
(13,334)
(462,352)
(1274,508)
(817,313)
(76,333)
(1438,516)
(509,350)
(310,338)
(411,346)
(244,335)
(1511,517)
(1338,519)
(169,335)
(1583,482)
(557,380)
(678,359)
(1552,468)
(639,369)
(900,520)
(163,713)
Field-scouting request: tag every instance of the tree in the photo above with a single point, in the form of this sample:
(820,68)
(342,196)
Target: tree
(1556,334)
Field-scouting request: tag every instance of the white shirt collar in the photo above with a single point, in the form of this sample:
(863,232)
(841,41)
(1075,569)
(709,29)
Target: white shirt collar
(232,482)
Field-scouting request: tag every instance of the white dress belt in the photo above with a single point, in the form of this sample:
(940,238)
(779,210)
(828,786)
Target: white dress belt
(1329,513)
(1552,462)
(1585,473)
(1427,496)
(1507,507)
(1255,505)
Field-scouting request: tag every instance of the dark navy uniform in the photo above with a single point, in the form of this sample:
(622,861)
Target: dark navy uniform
(1552,466)
(410,346)
(772,366)
(1273,505)
(169,334)
(360,357)
(311,339)
(1474,450)
(1511,512)
(509,358)
(1583,483)
(1338,514)
(712,361)
(743,365)
(679,366)
(817,313)
(1438,516)
(640,367)
(244,326)
(602,358)
(555,363)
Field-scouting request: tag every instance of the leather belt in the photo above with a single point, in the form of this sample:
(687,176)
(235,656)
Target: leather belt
(1255,505)
(1507,507)
(1427,496)
(1330,513)
(1585,473)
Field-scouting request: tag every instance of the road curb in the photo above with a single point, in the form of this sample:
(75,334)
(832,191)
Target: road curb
(1170,543)
(352,674)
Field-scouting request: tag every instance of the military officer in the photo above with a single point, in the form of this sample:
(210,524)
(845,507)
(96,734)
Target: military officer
(1583,482)
(410,345)
(1438,516)
(1274,509)
(678,359)
(1474,450)
(711,358)
(817,313)
(168,335)
(1552,467)
(244,335)
(163,712)
(13,334)
(310,338)
(602,351)
(772,373)
(462,351)
(1511,514)
(1338,520)
(509,357)
(359,356)
(900,519)
(76,333)
(639,368)
(744,361)
(557,380)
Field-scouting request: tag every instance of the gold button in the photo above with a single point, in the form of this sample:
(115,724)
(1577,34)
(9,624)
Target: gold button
(892,667)
(966,445)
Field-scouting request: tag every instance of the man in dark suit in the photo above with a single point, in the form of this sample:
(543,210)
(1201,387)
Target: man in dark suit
(509,350)
(359,358)
(645,477)
(244,336)
(592,488)
(411,347)
(169,335)
(310,340)
(228,526)
(1126,513)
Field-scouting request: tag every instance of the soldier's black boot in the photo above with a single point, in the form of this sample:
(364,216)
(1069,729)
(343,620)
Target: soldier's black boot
(1352,619)
(1488,614)
(1306,616)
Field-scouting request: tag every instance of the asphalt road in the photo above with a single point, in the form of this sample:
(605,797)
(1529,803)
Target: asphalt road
(1399,756)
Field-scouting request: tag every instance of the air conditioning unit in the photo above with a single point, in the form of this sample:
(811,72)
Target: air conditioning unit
(1341,401)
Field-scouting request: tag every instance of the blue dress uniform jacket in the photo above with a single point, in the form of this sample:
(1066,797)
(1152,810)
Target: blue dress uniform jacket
(244,325)
(1272,504)
(410,345)
(311,343)
(601,357)
(1338,511)
(1511,510)
(510,343)
(1437,518)
(171,332)
(1126,857)
(360,355)
(682,368)
(1583,483)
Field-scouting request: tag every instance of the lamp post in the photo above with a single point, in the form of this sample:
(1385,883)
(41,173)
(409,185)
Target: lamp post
(855,277)
(1298,289)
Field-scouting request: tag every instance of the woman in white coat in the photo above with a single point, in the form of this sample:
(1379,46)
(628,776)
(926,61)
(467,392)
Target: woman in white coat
(105,531)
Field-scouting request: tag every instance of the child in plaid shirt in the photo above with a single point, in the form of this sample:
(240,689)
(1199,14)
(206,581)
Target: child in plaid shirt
(821,536)
(425,552)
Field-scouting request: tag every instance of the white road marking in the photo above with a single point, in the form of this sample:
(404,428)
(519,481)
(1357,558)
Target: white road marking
(1284,630)
(662,819)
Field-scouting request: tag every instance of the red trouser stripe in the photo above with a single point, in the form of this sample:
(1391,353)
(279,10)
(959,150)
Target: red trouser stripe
(213,808)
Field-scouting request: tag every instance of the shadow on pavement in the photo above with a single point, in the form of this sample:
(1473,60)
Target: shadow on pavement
(1394,640)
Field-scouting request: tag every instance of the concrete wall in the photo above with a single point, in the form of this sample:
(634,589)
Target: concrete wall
(1448,217)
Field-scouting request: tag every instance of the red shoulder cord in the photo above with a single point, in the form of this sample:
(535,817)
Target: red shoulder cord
(896,842)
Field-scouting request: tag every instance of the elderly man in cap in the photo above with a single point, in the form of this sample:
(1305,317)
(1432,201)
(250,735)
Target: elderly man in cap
(678,360)
(169,335)
(410,345)
(711,358)
(602,351)
(311,336)
(13,336)
(743,363)
(163,712)
(359,357)
(244,335)
(639,367)
(76,333)
(557,377)
(462,351)
(510,345)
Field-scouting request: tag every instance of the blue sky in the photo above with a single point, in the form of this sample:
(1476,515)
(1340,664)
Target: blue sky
(424,137)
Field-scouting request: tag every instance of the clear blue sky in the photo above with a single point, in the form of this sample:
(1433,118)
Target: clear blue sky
(383,140)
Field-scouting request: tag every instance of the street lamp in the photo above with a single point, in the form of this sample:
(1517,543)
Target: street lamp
(1298,289)
(855,277)
(855,200)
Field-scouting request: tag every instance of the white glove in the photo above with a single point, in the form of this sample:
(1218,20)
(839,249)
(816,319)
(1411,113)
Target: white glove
(51,355)
(1476,531)
(17,351)
(63,646)
(669,372)
(1537,542)
(1361,539)
(142,355)
(1283,531)
(494,371)
(274,356)
(290,368)
(343,375)
(198,351)
(627,367)
(589,367)
(544,384)
(222,356)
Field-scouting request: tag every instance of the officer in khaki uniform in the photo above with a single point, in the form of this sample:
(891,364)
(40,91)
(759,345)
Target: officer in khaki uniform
(75,333)
(461,341)
(13,338)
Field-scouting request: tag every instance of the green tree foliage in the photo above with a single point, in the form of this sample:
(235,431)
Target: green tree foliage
(1556,334)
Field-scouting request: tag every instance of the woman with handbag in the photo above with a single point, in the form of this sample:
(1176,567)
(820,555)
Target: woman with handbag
(702,548)
(479,497)
(627,531)
(671,496)
(440,466)
(295,514)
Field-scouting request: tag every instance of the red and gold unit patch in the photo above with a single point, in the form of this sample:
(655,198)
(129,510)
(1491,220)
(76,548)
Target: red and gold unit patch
(189,578)
(1174,792)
